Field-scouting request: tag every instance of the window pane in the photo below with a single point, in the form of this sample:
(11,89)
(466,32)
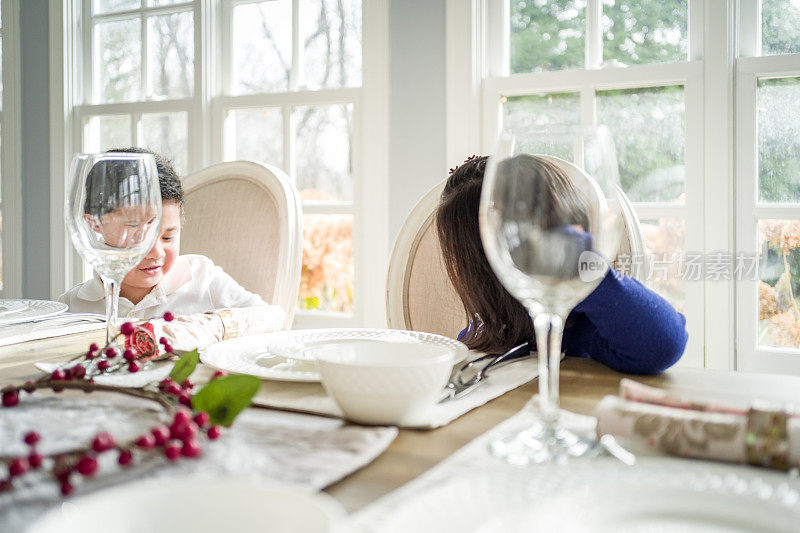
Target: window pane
(323,160)
(331,32)
(326,282)
(636,31)
(547,35)
(166,133)
(107,6)
(258,135)
(779,140)
(117,60)
(521,113)
(170,55)
(262,47)
(664,239)
(780,27)
(649,134)
(151,3)
(779,283)
(106,132)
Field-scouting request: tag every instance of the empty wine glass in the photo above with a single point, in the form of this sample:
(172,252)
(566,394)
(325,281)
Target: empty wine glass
(550,225)
(113,215)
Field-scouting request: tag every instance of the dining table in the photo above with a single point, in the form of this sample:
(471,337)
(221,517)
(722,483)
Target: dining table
(583,383)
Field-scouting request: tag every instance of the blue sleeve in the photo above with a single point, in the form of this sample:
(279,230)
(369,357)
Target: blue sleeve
(627,327)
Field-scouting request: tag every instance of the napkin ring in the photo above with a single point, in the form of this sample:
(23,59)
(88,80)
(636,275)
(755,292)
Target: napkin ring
(230,326)
(766,441)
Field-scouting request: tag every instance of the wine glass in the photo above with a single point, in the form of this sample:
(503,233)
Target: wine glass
(113,214)
(550,225)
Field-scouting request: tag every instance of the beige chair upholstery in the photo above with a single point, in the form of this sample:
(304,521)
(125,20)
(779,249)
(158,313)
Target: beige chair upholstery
(419,295)
(246,217)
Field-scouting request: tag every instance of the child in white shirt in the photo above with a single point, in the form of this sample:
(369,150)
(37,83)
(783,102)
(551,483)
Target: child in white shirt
(164,280)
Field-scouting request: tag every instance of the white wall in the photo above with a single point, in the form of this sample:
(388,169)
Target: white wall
(417,104)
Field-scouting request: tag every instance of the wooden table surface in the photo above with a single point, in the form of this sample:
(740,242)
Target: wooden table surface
(583,383)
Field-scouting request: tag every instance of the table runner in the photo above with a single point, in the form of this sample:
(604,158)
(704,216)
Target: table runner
(308,450)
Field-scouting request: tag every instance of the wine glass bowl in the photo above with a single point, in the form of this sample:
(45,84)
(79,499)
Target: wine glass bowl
(550,228)
(113,215)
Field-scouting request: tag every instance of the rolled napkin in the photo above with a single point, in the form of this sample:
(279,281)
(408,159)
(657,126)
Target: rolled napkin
(753,436)
(203,329)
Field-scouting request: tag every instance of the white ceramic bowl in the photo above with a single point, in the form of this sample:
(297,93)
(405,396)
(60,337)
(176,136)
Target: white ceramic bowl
(376,382)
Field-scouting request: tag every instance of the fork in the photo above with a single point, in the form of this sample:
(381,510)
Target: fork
(456,387)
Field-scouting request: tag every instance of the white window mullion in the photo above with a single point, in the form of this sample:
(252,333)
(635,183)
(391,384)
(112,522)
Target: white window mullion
(593,55)
(295,75)
(143,81)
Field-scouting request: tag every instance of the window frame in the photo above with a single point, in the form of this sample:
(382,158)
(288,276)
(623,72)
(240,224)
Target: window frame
(206,110)
(480,68)
(10,155)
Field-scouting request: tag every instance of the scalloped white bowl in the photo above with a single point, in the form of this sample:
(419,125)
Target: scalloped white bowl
(383,382)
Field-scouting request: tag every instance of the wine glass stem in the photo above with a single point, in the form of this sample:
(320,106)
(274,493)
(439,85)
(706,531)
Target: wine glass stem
(549,328)
(112,307)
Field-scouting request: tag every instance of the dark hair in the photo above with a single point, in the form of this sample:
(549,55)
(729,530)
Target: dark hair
(168,180)
(502,322)
(115,182)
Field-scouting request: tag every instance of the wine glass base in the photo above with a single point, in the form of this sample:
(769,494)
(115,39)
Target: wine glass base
(540,443)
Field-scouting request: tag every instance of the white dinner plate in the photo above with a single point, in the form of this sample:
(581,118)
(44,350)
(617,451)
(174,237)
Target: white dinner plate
(9,307)
(199,505)
(599,495)
(34,310)
(282,355)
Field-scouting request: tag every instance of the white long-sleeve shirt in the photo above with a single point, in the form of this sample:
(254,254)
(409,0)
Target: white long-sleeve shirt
(193,285)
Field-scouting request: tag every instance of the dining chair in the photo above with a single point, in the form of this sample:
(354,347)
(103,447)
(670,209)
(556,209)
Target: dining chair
(419,295)
(246,217)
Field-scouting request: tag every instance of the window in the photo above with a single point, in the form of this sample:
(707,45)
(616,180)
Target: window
(768,184)
(683,117)
(277,81)
(627,65)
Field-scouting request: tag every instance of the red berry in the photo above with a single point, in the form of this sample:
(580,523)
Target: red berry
(66,487)
(35,460)
(183,432)
(31,438)
(133,366)
(191,448)
(86,466)
(172,450)
(91,355)
(187,384)
(214,432)
(29,386)
(201,419)
(183,416)
(77,372)
(173,389)
(185,398)
(58,375)
(169,317)
(103,365)
(102,442)
(164,383)
(160,434)
(146,441)
(111,353)
(125,457)
(10,398)
(127,328)
(93,347)
(218,374)
(18,466)
(168,348)
(163,340)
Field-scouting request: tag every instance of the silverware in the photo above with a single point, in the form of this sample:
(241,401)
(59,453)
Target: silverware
(457,387)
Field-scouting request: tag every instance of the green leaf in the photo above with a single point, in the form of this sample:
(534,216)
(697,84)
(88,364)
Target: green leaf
(184,366)
(224,398)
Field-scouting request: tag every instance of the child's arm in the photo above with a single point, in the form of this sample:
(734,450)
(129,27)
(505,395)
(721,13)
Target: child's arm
(627,327)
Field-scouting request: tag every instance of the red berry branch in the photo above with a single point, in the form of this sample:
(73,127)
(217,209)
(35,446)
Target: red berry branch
(181,435)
